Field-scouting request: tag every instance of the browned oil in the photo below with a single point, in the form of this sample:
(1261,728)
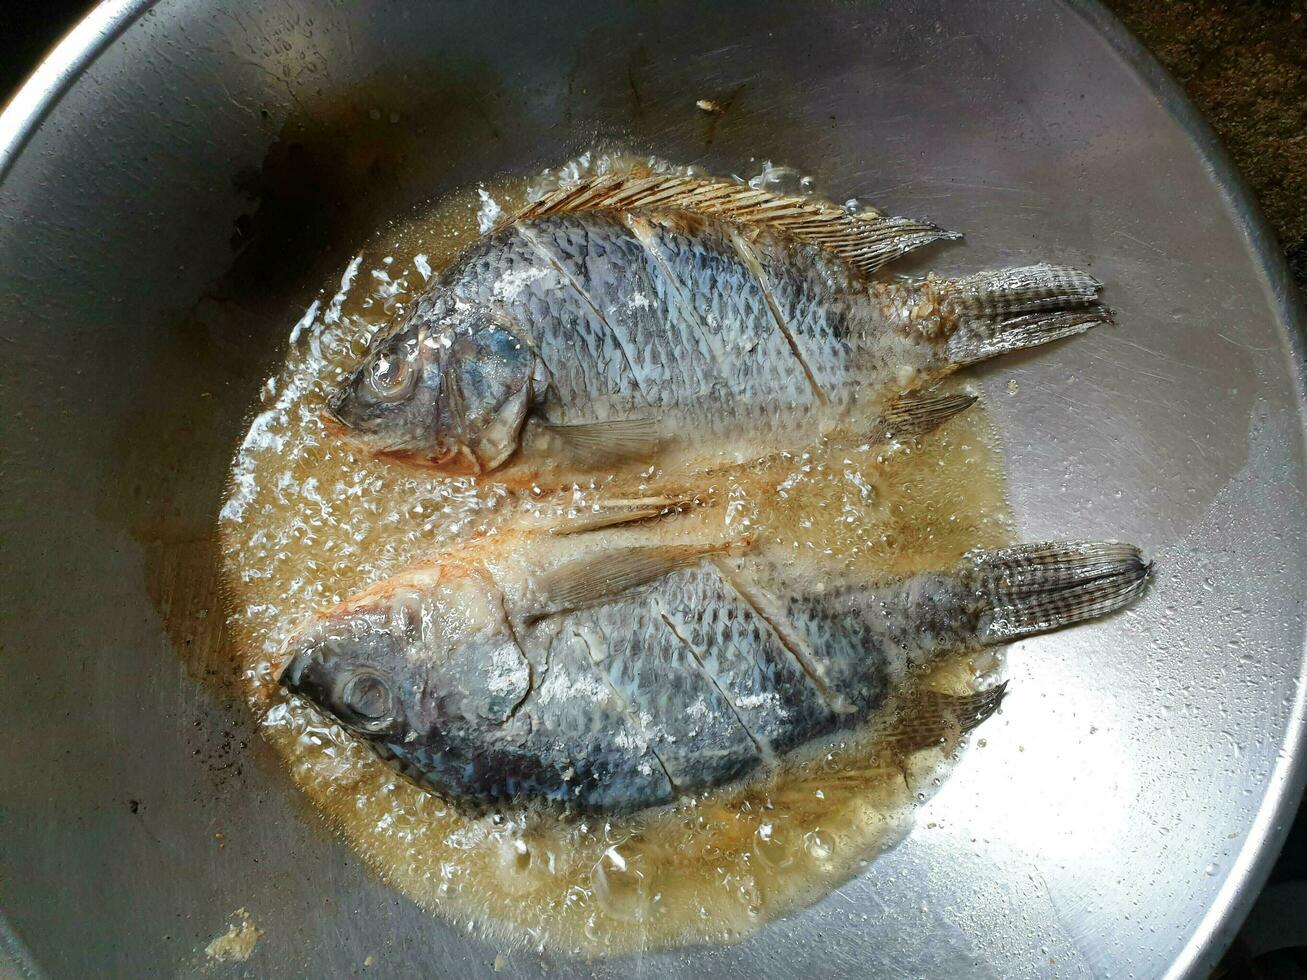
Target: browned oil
(307,522)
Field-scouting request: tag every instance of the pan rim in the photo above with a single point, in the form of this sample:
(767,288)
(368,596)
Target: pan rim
(1270,825)
(59,70)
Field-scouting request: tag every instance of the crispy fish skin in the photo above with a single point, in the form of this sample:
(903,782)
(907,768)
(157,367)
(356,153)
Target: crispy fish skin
(622,677)
(582,338)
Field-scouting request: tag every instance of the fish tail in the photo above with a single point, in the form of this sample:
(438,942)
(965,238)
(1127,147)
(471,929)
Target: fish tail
(993,597)
(1034,588)
(1012,309)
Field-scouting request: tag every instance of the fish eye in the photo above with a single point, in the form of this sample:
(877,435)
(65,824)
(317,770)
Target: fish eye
(391,375)
(368,700)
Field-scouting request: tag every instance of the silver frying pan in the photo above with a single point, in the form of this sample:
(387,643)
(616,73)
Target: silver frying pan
(179,178)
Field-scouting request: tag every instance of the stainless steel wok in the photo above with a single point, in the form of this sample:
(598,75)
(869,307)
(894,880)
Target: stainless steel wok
(181,177)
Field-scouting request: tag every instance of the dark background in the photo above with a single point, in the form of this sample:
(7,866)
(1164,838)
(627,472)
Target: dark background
(1244,65)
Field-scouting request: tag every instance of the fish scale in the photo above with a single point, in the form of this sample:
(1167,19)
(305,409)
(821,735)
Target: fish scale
(684,693)
(680,711)
(717,290)
(573,721)
(626,283)
(721,370)
(767,689)
(586,364)
(825,309)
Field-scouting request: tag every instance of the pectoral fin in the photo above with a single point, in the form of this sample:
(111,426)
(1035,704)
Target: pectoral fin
(611,513)
(598,444)
(606,575)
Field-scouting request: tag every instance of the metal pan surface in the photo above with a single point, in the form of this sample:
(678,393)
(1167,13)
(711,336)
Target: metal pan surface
(178,180)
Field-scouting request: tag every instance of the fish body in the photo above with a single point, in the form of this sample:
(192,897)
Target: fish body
(651,329)
(612,676)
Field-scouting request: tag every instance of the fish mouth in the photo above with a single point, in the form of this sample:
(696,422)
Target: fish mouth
(332,422)
(288,668)
(330,414)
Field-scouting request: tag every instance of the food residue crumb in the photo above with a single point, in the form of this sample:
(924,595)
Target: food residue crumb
(708,105)
(369,961)
(237,943)
(1013,387)
(499,962)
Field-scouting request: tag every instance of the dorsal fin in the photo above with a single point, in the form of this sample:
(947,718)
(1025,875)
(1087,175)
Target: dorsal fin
(866,241)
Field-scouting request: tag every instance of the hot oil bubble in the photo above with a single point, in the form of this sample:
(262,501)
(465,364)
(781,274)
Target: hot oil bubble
(620,885)
(779,179)
(521,856)
(747,894)
(819,845)
(772,845)
(517,866)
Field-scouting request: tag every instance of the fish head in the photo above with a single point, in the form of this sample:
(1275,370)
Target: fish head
(413,662)
(450,388)
(384,403)
(354,676)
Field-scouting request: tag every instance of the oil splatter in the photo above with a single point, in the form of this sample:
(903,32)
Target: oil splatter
(237,943)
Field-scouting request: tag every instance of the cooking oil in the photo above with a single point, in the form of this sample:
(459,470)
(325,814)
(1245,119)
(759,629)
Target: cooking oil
(308,521)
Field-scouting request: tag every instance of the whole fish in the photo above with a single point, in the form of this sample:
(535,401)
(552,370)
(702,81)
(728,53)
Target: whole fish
(610,675)
(681,322)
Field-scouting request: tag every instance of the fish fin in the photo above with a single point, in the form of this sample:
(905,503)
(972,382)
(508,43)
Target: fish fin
(1025,289)
(917,413)
(1011,309)
(605,443)
(602,577)
(865,241)
(599,519)
(1018,333)
(1033,588)
(610,513)
(929,718)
